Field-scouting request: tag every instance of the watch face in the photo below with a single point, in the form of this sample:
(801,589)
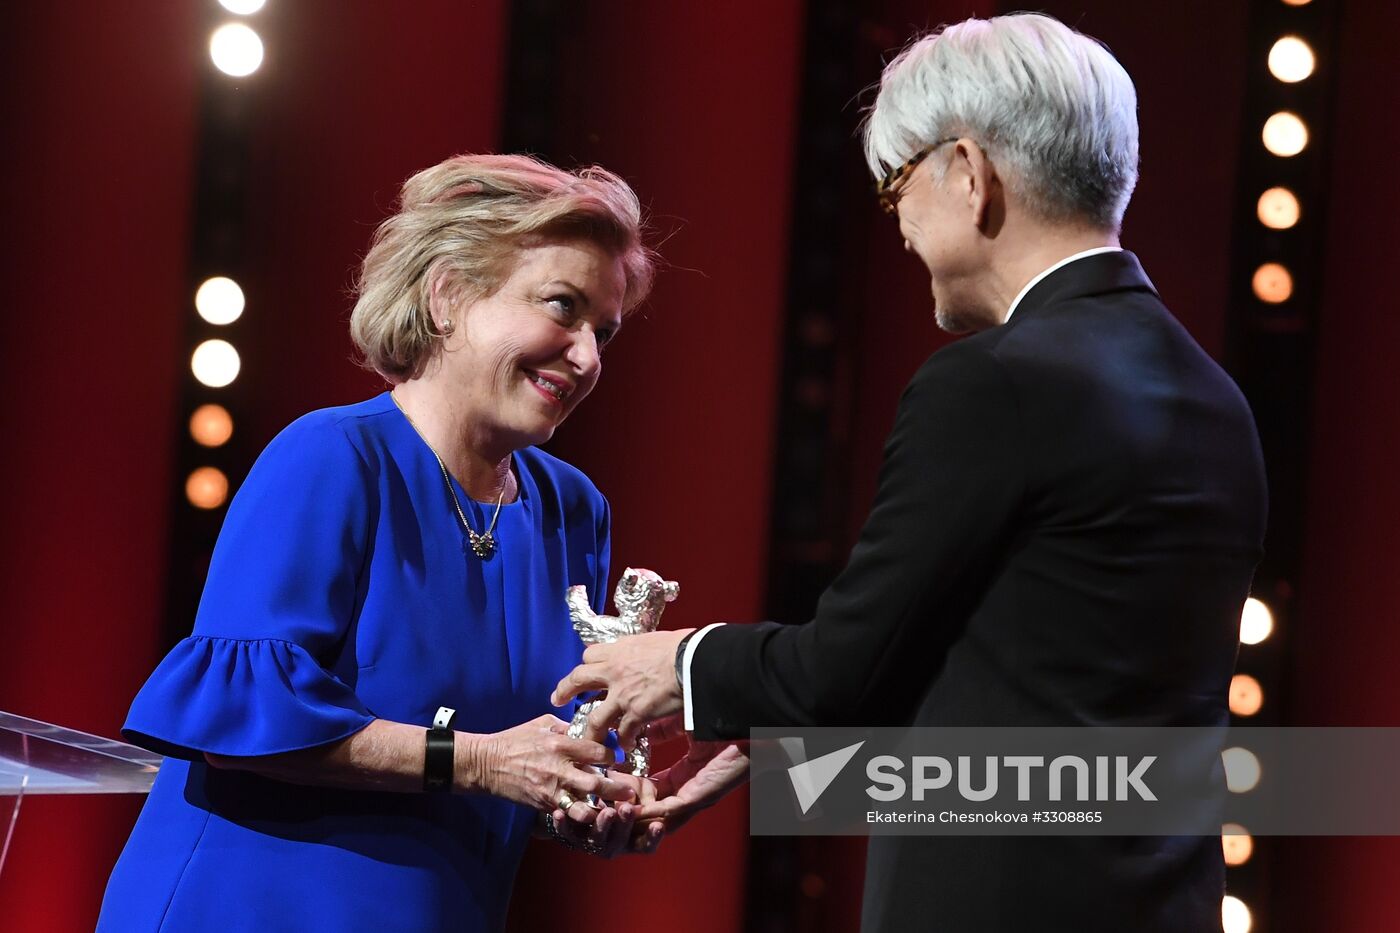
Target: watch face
(680,660)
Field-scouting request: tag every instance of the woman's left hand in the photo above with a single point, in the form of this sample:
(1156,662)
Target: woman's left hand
(613,830)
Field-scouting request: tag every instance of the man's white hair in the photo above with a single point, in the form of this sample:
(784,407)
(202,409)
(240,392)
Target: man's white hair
(1052,107)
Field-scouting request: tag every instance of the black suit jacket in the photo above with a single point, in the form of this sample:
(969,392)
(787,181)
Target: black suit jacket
(1069,513)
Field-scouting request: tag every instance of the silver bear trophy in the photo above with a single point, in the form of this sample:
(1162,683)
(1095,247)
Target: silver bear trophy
(641,596)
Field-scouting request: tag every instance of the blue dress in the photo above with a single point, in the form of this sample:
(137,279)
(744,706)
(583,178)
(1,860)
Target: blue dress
(342,590)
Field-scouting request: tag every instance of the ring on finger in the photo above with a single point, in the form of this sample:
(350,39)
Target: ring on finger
(565,801)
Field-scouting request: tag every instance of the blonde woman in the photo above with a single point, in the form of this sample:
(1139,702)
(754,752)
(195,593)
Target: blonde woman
(388,563)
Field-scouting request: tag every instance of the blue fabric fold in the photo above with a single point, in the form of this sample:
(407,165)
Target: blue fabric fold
(241,697)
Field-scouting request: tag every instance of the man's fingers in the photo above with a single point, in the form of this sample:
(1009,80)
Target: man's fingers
(596,654)
(669,808)
(628,731)
(602,717)
(583,678)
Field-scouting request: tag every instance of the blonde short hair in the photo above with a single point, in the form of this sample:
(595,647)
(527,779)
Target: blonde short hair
(463,221)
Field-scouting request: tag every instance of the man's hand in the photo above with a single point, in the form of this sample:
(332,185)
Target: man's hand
(639,674)
(708,771)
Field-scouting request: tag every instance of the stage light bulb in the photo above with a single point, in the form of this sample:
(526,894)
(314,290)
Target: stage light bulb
(1246,696)
(1279,209)
(242,7)
(219,300)
(211,425)
(1285,134)
(1242,770)
(215,363)
(1297,2)
(236,49)
(1256,621)
(1234,916)
(1273,283)
(1291,60)
(1237,844)
(206,488)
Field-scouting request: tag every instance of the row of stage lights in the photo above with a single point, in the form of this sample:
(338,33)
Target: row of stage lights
(1242,768)
(235,49)
(215,364)
(1285,134)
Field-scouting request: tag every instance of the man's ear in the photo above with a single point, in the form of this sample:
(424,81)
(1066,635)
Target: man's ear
(982,183)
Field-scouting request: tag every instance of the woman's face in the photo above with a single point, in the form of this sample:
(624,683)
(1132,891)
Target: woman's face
(523,358)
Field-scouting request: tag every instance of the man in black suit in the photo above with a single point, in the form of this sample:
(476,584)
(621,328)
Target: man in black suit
(1070,510)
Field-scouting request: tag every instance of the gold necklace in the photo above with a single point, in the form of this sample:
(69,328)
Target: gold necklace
(483,545)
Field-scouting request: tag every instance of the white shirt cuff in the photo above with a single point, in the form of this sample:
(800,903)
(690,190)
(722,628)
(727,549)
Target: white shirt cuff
(690,647)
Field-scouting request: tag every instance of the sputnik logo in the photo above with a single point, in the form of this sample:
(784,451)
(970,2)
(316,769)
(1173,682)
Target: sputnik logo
(811,778)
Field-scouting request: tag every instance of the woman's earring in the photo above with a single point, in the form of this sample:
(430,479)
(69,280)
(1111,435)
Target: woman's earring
(446,327)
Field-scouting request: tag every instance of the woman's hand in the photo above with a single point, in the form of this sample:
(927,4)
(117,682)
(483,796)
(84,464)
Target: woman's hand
(535,763)
(612,830)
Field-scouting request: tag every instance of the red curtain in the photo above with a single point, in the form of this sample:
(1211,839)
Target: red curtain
(696,105)
(99,108)
(1346,646)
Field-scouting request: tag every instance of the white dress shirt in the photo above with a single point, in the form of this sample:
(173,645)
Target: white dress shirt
(1059,265)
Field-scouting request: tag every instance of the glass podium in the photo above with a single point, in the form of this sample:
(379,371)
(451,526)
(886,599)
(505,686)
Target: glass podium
(41,758)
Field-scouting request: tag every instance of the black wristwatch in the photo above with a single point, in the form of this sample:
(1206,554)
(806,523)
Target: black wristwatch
(438,755)
(680,660)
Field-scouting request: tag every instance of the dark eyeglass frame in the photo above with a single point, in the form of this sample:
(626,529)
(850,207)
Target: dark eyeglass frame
(884,189)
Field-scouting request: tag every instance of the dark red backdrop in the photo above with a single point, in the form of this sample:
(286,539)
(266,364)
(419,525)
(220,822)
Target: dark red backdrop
(1347,646)
(99,112)
(696,105)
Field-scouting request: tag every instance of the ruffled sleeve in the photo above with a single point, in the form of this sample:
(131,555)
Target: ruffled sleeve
(283,586)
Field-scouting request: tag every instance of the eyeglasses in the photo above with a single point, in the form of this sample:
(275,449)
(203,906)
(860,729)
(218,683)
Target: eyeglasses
(884,189)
